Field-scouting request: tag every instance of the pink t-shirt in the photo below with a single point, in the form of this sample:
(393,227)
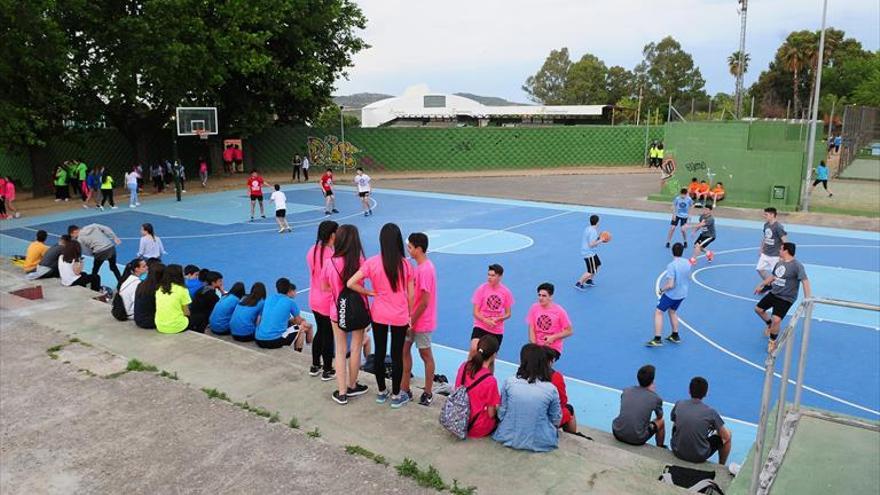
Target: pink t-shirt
(390,308)
(549,321)
(426,280)
(492,302)
(203,167)
(319,300)
(330,273)
(9,191)
(484,395)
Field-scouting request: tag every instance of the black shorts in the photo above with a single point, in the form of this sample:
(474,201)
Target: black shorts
(257,197)
(328,193)
(651,431)
(715,444)
(593,263)
(679,221)
(704,240)
(824,183)
(780,306)
(244,338)
(364,194)
(277,343)
(281,213)
(478,333)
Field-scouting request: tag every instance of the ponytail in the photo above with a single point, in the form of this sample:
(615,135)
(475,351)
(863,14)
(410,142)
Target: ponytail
(486,348)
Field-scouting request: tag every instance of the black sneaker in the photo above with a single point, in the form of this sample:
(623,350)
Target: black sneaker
(334,210)
(358,389)
(426,399)
(667,245)
(328,375)
(685,243)
(674,338)
(340,399)
(314,370)
(590,283)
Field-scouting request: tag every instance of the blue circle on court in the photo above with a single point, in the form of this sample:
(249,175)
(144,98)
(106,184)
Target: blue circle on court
(476,241)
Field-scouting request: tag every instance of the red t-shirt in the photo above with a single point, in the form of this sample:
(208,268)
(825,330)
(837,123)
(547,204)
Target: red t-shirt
(327,181)
(228,155)
(559,382)
(255,185)
(238,154)
(484,395)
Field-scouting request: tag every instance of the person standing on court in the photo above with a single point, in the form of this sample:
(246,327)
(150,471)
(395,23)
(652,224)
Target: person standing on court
(673,291)
(327,189)
(107,189)
(305,166)
(238,156)
(424,315)
(492,302)
(102,242)
(548,322)
(771,244)
(681,210)
(783,282)
(228,158)
(589,246)
(297,163)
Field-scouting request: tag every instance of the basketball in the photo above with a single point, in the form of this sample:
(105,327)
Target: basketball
(605,236)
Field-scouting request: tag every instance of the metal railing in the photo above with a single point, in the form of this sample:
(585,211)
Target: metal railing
(764,472)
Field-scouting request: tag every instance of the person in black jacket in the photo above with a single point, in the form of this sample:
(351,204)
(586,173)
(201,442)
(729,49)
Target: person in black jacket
(145,297)
(204,300)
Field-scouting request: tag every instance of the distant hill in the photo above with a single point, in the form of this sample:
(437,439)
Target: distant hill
(492,101)
(359,100)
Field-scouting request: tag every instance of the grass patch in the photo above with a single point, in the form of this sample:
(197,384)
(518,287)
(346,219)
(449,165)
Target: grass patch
(170,376)
(428,478)
(213,393)
(358,450)
(461,490)
(74,340)
(294,423)
(136,365)
(53,351)
(274,418)
(316,433)
(259,411)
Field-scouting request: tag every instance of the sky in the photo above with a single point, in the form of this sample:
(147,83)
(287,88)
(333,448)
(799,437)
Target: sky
(490,47)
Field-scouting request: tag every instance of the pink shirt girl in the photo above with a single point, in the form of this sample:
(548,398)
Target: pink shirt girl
(484,395)
(388,307)
(9,191)
(425,281)
(492,302)
(320,300)
(548,321)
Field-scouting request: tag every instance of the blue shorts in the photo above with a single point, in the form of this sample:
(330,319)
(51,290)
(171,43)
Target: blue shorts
(667,303)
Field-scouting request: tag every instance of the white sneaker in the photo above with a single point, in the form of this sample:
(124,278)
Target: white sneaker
(101,207)
(131,206)
(280,231)
(183,190)
(84,205)
(137,204)
(57,200)
(113,207)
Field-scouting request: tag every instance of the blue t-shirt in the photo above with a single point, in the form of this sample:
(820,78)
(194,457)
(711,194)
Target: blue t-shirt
(276,315)
(591,235)
(822,172)
(222,313)
(193,285)
(837,140)
(244,319)
(682,206)
(679,270)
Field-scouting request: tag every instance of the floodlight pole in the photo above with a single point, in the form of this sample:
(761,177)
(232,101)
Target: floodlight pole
(811,142)
(342,141)
(741,61)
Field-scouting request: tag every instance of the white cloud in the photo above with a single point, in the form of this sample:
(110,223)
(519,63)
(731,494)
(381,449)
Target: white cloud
(491,46)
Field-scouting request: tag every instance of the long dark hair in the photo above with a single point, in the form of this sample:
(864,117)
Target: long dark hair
(348,247)
(534,364)
(151,284)
(393,257)
(72,251)
(486,348)
(258,293)
(148,228)
(173,276)
(129,270)
(237,290)
(325,230)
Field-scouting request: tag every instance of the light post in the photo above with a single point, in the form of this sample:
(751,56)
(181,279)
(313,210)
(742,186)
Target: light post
(342,134)
(811,142)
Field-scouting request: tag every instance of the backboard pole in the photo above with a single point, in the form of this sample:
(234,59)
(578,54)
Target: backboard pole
(174,158)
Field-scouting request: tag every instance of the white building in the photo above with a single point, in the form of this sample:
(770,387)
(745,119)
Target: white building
(418,106)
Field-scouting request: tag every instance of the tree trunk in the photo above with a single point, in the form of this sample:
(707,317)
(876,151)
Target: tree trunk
(41,170)
(795,92)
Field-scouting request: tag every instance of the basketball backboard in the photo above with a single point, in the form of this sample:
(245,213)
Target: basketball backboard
(191,120)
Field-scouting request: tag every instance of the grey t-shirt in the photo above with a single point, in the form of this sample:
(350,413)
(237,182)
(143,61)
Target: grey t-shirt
(708,229)
(772,238)
(694,421)
(788,275)
(50,259)
(636,405)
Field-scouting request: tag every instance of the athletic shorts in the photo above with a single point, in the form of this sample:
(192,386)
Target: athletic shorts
(328,193)
(593,263)
(244,338)
(679,221)
(715,444)
(277,343)
(824,183)
(650,431)
(704,240)
(766,263)
(780,306)
(364,194)
(257,197)
(422,340)
(666,303)
(281,213)
(478,333)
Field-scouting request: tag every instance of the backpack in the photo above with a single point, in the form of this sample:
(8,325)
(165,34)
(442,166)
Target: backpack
(117,305)
(351,309)
(694,480)
(455,415)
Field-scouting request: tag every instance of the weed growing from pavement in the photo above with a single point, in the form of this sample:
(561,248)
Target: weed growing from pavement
(170,376)
(358,450)
(316,433)
(429,478)
(136,365)
(294,423)
(213,393)
(274,418)
(460,490)
(53,351)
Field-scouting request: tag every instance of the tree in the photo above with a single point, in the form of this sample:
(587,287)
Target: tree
(329,119)
(669,70)
(619,84)
(547,86)
(733,63)
(794,54)
(585,82)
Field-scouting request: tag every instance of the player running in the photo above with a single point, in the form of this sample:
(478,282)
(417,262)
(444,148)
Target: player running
(280,200)
(771,244)
(673,291)
(783,282)
(706,237)
(255,188)
(362,181)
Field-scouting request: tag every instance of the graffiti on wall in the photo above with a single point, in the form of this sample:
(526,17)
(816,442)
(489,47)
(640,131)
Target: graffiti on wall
(330,151)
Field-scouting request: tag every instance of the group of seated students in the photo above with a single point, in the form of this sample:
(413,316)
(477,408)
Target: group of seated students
(533,405)
(701,191)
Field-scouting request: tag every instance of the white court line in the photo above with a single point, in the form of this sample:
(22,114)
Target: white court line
(496,231)
(757,366)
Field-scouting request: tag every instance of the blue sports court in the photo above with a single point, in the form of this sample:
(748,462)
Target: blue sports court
(537,242)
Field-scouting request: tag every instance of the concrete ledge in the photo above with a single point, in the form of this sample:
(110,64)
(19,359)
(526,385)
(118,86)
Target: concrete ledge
(277,380)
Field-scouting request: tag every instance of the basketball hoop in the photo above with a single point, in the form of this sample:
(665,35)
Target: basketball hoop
(202,133)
